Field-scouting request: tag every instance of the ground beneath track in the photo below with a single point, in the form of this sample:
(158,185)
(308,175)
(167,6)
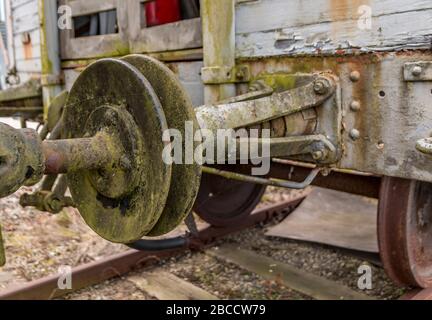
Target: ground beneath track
(38,244)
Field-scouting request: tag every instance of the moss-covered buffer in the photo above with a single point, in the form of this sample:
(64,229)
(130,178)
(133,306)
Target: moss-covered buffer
(21,159)
(178,109)
(124,200)
(115,117)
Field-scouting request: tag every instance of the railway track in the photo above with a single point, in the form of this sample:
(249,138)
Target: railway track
(164,285)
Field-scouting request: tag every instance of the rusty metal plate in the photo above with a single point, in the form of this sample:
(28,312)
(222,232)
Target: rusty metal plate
(384,116)
(178,110)
(119,213)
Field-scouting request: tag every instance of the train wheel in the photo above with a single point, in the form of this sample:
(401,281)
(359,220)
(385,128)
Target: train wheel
(222,202)
(405,231)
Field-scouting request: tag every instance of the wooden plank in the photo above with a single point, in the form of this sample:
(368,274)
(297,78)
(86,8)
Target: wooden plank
(296,279)
(218,23)
(34,36)
(189,75)
(95,47)
(26,17)
(81,8)
(406,30)
(30,65)
(278,14)
(185,34)
(335,218)
(181,55)
(100,46)
(31,89)
(22,53)
(166,286)
(17,3)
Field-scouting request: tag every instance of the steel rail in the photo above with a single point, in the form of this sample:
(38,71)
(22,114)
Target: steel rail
(117,265)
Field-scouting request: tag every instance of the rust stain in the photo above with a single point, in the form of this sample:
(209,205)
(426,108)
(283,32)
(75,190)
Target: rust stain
(28,51)
(345,10)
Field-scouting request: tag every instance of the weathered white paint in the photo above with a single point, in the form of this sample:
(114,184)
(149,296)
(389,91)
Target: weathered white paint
(189,74)
(25,20)
(280,27)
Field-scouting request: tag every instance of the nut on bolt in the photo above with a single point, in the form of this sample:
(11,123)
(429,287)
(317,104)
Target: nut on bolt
(321,87)
(317,155)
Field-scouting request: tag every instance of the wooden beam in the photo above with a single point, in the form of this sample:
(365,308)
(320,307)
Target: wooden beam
(166,286)
(296,279)
(218,24)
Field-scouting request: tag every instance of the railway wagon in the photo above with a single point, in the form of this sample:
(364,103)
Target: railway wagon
(338,92)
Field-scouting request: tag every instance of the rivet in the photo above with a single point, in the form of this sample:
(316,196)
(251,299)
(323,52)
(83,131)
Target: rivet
(380,145)
(355,105)
(355,134)
(317,155)
(417,71)
(355,76)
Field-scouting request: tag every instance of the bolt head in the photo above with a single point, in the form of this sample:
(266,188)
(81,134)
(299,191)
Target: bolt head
(355,76)
(317,155)
(417,71)
(355,106)
(355,134)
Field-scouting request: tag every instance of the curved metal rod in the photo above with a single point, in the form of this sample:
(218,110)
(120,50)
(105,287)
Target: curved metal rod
(268,182)
(162,244)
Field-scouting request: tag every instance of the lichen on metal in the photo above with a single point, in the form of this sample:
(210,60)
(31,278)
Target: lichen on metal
(21,159)
(178,110)
(279,104)
(139,122)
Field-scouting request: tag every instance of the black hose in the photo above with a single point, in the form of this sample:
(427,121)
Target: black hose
(157,245)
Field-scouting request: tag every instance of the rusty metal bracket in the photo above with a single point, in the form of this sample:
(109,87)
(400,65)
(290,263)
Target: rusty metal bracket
(312,148)
(418,71)
(222,74)
(50,201)
(316,148)
(46,201)
(21,159)
(247,113)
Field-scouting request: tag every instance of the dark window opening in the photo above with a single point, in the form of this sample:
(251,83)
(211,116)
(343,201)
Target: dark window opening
(159,12)
(97,24)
